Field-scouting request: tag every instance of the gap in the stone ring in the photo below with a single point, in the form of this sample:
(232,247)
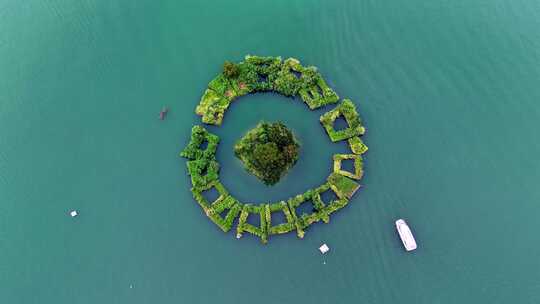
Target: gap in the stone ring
(306,207)
(277,218)
(210,195)
(347,165)
(340,123)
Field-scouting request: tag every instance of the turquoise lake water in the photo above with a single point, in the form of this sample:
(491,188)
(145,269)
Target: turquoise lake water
(449,92)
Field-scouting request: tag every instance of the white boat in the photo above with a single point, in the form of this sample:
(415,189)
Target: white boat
(406,235)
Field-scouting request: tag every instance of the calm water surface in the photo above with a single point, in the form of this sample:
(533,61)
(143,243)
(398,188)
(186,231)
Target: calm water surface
(449,92)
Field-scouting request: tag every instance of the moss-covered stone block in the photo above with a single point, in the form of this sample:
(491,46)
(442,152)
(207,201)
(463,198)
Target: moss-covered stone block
(318,203)
(318,94)
(288,80)
(302,221)
(202,201)
(288,226)
(244,226)
(348,110)
(203,172)
(336,205)
(229,204)
(343,186)
(357,165)
(203,144)
(357,145)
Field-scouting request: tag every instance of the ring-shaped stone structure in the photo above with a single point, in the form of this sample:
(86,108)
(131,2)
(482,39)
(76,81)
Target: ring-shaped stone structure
(287,77)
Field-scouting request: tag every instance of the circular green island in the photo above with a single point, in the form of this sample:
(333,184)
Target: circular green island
(270,149)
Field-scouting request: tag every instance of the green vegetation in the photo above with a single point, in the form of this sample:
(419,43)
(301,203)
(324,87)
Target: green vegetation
(343,186)
(202,167)
(286,227)
(348,111)
(243,225)
(268,151)
(263,74)
(358,165)
(223,210)
(357,145)
(202,171)
(321,211)
(194,150)
(228,203)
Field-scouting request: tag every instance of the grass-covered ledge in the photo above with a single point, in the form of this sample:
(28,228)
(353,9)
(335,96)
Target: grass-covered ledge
(201,152)
(263,74)
(229,205)
(357,165)
(357,145)
(203,172)
(279,207)
(203,145)
(343,186)
(346,109)
(244,226)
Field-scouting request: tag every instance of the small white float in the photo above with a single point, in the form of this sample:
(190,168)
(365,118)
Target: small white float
(406,235)
(324,248)
(73,213)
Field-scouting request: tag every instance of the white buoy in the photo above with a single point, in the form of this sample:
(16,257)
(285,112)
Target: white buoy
(324,248)
(73,213)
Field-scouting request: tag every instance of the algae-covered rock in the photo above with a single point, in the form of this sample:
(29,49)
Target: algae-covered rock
(199,137)
(244,226)
(357,145)
(358,165)
(346,109)
(343,186)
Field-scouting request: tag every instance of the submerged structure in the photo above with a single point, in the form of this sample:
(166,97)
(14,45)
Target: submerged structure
(287,77)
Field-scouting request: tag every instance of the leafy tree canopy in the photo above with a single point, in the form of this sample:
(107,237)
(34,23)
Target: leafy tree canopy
(268,151)
(230,70)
